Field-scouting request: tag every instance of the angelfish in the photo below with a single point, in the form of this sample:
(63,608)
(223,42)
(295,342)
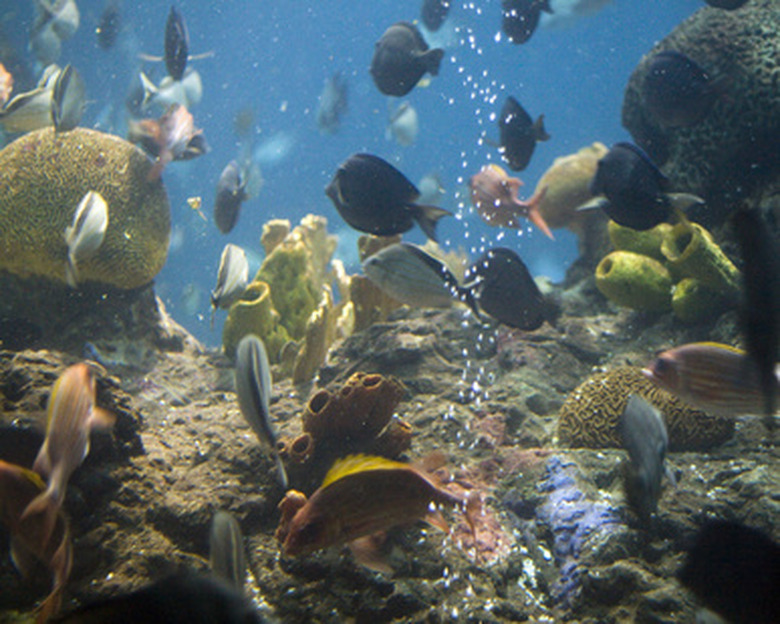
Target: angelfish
(85,235)
(253,388)
(232,278)
(68,99)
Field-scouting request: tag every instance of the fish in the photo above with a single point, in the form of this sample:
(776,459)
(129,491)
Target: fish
(504,289)
(644,435)
(567,12)
(171,137)
(177,44)
(182,597)
(232,278)
(226,549)
(31,110)
(109,25)
(86,234)
(729,5)
(403,125)
(519,134)
(72,414)
(234,187)
(677,91)
(374,197)
(734,569)
(431,189)
(519,18)
(494,195)
(634,189)
(333,104)
(362,495)
(717,378)
(434,12)
(188,91)
(760,308)
(55,21)
(69,99)
(401,58)
(414,277)
(253,389)
(18,488)
(6,85)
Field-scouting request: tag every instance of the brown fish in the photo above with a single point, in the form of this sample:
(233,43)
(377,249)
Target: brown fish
(72,414)
(361,495)
(494,195)
(29,541)
(6,85)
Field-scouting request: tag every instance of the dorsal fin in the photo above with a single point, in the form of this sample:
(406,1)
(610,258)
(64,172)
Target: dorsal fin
(353,464)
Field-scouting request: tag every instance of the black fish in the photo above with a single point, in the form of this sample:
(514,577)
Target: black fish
(678,91)
(374,197)
(760,313)
(729,5)
(333,104)
(183,597)
(633,186)
(401,57)
(177,44)
(519,18)
(504,289)
(434,12)
(231,193)
(109,24)
(735,571)
(519,134)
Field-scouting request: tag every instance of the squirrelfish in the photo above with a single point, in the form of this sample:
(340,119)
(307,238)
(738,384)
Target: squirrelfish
(85,235)
(72,414)
(714,377)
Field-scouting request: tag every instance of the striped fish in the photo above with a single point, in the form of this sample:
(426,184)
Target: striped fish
(226,549)
(714,377)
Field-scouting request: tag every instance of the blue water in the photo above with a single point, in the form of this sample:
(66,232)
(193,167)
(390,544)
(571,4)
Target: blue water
(273,57)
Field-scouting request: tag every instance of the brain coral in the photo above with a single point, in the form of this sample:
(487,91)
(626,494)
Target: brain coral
(44,175)
(732,151)
(589,416)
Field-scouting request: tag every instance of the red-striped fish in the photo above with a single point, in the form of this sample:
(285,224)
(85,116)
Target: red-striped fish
(716,378)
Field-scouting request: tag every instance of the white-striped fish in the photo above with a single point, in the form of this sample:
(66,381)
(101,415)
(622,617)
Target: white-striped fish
(226,549)
(232,278)
(714,377)
(85,236)
(31,110)
(68,99)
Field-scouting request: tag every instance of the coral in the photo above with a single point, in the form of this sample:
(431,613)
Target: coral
(590,415)
(274,232)
(732,151)
(634,281)
(691,252)
(43,177)
(692,301)
(646,242)
(254,314)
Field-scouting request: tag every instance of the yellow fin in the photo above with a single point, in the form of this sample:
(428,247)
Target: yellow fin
(353,464)
(720,345)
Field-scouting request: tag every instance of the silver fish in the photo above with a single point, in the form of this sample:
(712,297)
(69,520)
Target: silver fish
(333,104)
(61,15)
(403,125)
(68,99)
(646,440)
(232,278)
(31,110)
(85,236)
(226,549)
(188,91)
(253,388)
(236,185)
(431,189)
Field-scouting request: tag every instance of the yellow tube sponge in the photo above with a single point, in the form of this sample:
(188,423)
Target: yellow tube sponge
(647,242)
(254,314)
(692,301)
(634,281)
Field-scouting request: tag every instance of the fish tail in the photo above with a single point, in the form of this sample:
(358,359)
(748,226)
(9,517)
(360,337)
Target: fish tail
(539,131)
(150,90)
(427,217)
(432,60)
(47,505)
(534,216)
(71,272)
(466,295)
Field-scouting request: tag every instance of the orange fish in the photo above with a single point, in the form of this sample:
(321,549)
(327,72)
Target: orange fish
(360,496)
(71,416)
(29,541)
(6,85)
(494,195)
(171,137)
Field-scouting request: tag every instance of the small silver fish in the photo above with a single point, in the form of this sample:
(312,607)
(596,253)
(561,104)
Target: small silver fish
(188,91)
(232,278)
(253,388)
(333,104)
(236,185)
(61,15)
(404,125)
(68,99)
(226,549)
(646,440)
(85,236)
(31,110)
(431,189)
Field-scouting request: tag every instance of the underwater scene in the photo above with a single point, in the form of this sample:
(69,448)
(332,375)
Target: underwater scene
(422,311)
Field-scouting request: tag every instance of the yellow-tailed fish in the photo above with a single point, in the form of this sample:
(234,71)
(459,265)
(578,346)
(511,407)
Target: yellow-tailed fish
(85,235)
(716,378)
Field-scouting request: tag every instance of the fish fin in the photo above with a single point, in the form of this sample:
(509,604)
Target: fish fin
(681,202)
(534,216)
(539,132)
(432,60)
(22,557)
(101,419)
(47,504)
(546,7)
(352,464)
(670,476)
(513,184)
(466,295)
(427,217)
(367,552)
(597,203)
(150,90)
(435,519)
(71,272)
(281,471)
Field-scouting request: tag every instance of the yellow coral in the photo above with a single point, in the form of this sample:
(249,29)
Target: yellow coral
(634,281)
(254,314)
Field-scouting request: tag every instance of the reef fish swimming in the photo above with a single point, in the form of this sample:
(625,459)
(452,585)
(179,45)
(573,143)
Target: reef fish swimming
(226,549)
(232,278)
(374,197)
(333,104)
(519,134)
(494,195)
(109,25)
(231,193)
(188,91)
(31,110)
(177,44)
(68,99)
(85,235)
(519,18)
(401,58)
(434,12)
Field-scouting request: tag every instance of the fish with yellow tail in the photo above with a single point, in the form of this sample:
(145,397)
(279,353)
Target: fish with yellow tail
(29,544)
(344,510)
(72,414)
(714,377)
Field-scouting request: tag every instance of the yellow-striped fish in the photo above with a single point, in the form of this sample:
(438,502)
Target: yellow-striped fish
(714,377)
